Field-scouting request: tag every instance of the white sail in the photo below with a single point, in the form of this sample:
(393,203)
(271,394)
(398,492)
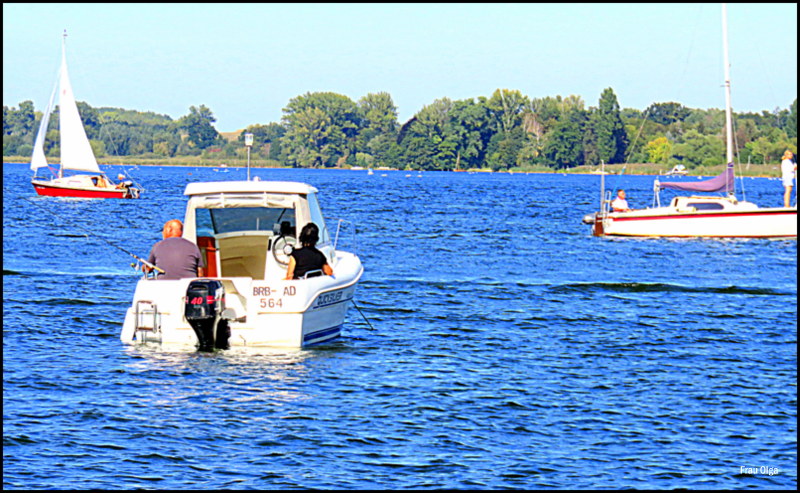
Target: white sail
(38,160)
(76,152)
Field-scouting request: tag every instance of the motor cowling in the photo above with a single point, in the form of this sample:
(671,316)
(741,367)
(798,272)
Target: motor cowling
(205,302)
(132,192)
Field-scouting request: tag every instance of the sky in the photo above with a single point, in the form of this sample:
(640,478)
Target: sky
(245,62)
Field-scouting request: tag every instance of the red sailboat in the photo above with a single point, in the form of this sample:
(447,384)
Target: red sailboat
(76,153)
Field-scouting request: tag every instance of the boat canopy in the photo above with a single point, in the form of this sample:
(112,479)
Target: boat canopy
(203,188)
(293,202)
(721,183)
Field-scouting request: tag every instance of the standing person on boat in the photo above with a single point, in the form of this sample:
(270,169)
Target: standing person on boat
(619,204)
(177,256)
(788,170)
(307,258)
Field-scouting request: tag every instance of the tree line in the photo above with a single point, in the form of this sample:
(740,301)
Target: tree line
(508,130)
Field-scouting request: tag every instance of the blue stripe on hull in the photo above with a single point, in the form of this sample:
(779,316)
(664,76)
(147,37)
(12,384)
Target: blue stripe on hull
(309,339)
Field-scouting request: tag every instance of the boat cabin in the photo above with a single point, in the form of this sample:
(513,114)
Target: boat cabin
(708,204)
(244,228)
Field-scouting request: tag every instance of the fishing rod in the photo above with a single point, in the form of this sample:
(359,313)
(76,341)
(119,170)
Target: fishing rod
(87,233)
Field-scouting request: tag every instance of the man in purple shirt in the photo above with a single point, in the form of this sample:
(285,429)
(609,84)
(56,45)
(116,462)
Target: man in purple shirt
(177,256)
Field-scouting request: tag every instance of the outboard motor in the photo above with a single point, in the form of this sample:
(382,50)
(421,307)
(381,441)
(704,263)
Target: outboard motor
(131,191)
(205,302)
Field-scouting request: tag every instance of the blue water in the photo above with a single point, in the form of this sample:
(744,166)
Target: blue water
(508,348)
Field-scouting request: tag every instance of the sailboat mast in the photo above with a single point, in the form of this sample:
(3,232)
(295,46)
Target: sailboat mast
(728,111)
(61,89)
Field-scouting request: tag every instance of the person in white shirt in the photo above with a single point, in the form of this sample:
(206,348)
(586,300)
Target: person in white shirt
(788,169)
(619,204)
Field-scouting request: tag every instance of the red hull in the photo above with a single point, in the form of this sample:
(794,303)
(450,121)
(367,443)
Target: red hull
(51,191)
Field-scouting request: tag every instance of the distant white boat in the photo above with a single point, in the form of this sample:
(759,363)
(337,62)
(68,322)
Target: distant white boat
(678,170)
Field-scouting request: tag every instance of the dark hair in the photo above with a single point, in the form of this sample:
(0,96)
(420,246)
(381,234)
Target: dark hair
(309,235)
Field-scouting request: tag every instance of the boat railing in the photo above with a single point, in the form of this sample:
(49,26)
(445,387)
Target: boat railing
(606,205)
(312,273)
(656,193)
(348,225)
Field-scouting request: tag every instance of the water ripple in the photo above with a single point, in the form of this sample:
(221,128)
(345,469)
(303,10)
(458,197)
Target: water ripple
(506,348)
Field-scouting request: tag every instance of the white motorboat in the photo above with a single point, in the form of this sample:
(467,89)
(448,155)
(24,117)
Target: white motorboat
(678,170)
(76,152)
(699,216)
(245,231)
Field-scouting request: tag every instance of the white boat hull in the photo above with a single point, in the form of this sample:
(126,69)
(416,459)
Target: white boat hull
(778,222)
(275,313)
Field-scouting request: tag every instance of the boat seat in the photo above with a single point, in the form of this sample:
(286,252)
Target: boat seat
(208,250)
(243,256)
(284,229)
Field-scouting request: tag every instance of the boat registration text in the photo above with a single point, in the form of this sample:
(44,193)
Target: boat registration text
(271,297)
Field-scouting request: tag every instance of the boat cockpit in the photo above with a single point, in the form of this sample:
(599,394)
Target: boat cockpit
(709,204)
(251,234)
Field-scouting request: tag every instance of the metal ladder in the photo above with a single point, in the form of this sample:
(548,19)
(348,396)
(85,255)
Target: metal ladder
(143,331)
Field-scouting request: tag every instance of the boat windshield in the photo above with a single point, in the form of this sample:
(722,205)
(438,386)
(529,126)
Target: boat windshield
(218,221)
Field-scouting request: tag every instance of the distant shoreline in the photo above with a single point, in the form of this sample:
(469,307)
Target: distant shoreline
(647,169)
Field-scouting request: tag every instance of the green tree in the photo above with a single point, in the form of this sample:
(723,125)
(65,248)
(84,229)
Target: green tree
(791,122)
(470,130)
(696,149)
(564,147)
(591,150)
(324,136)
(507,107)
(666,113)
(430,141)
(659,150)
(307,140)
(378,116)
(378,113)
(612,141)
(547,111)
(20,121)
(198,124)
(504,148)
(765,150)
